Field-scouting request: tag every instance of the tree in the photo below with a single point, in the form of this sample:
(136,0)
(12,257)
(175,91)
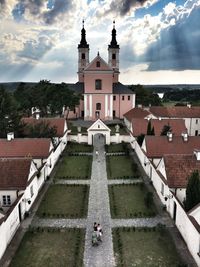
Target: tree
(10,118)
(145,97)
(140,139)
(192,191)
(166,129)
(150,129)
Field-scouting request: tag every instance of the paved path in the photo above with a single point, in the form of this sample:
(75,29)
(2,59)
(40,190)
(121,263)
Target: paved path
(99,211)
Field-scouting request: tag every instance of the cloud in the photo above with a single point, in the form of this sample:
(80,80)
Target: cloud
(178,45)
(36,49)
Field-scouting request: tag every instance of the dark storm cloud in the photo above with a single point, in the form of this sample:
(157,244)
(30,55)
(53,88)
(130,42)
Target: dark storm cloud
(124,6)
(59,7)
(36,9)
(178,46)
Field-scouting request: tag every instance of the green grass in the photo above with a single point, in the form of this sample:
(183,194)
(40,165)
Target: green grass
(144,248)
(122,129)
(127,201)
(65,201)
(58,248)
(75,147)
(121,167)
(74,129)
(115,148)
(74,167)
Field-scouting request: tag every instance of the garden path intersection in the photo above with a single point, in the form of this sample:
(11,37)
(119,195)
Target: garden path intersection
(98,211)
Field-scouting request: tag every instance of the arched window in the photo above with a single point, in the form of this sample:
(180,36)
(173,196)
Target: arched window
(98,84)
(113,56)
(98,106)
(98,64)
(83,56)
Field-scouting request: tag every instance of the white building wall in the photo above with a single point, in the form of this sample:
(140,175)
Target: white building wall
(8,228)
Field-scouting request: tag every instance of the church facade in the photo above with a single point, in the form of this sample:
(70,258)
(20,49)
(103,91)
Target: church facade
(104,97)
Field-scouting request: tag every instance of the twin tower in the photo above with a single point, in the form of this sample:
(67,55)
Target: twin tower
(113,55)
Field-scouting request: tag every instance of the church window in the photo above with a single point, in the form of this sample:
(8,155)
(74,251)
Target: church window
(113,56)
(98,106)
(129,97)
(114,97)
(123,97)
(98,84)
(83,56)
(98,64)
(6,200)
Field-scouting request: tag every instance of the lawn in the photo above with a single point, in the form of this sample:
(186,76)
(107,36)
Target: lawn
(145,247)
(74,167)
(127,201)
(121,167)
(75,147)
(65,201)
(115,148)
(74,129)
(50,247)
(122,129)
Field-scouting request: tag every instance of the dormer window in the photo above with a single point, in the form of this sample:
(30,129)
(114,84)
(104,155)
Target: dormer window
(98,64)
(98,84)
(83,55)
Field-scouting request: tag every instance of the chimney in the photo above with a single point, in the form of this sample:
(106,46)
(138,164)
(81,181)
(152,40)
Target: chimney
(197,153)
(139,105)
(169,135)
(10,136)
(189,105)
(185,137)
(37,116)
(160,118)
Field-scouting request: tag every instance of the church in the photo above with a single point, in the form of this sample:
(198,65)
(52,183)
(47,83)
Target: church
(103,96)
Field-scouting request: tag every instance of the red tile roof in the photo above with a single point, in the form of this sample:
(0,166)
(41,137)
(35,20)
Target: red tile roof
(157,146)
(25,147)
(136,113)
(14,173)
(59,123)
(179,168)
(140,126)
(176,112)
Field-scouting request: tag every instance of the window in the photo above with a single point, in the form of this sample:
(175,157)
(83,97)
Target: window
(83,56)
(114,97)
(129,97)
(196,121)
(113,56)
(31,191)
(196,132)
(98,106)
(123,97)
(6,200)
(98,64)
(98,84)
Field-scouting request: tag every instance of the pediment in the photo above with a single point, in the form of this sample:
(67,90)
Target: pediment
(98,125)
(92,66)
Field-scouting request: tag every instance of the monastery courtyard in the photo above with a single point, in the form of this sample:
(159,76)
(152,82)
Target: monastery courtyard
(59,229)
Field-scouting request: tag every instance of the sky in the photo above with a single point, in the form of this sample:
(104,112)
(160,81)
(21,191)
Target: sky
(159,39)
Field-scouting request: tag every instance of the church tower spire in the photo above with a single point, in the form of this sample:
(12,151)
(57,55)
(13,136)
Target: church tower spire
(113,54)
(83,54)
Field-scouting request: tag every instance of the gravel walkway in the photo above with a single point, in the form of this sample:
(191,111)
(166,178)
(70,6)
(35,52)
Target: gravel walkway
(125,181)
(99,211)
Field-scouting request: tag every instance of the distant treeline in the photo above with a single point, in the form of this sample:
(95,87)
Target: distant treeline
(192,96)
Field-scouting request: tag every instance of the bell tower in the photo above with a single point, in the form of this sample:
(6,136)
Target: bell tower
(83,54)
(113,55)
